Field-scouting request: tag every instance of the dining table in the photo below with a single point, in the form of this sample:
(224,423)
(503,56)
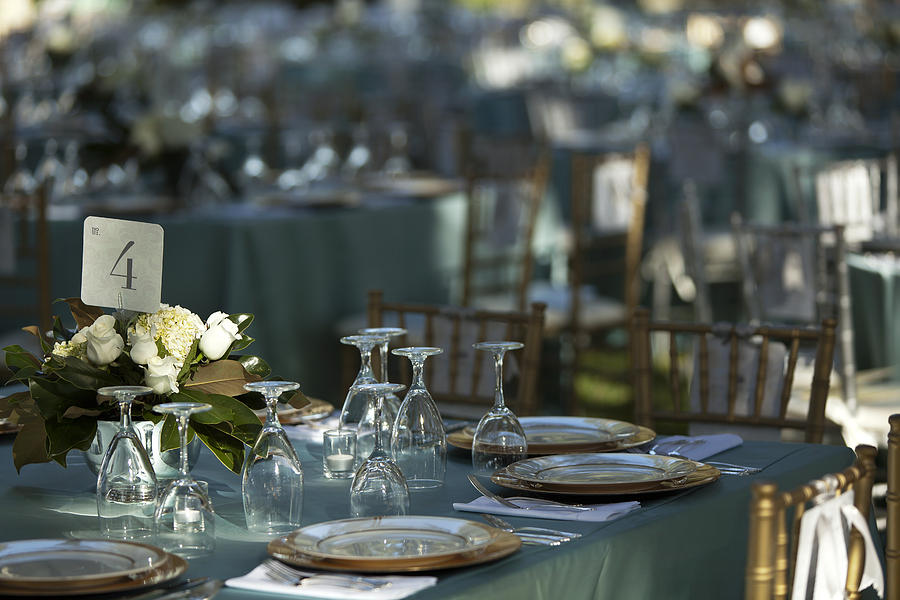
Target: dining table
(682,544)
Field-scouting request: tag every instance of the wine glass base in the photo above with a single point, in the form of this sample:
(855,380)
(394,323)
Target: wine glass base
(423,484)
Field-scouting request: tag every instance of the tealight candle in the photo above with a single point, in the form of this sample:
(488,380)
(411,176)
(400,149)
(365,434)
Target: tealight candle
(339,453)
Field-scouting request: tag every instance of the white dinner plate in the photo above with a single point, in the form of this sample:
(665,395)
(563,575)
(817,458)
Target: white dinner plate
(73,562)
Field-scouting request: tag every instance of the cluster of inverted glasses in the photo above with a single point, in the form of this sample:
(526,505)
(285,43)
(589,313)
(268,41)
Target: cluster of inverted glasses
(128,504)
(358,412)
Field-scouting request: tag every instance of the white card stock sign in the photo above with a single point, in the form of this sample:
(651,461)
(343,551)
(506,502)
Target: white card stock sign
(122,264)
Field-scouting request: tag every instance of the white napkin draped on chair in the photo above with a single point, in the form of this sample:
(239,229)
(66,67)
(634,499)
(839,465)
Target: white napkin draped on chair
(823,531)
(400,587)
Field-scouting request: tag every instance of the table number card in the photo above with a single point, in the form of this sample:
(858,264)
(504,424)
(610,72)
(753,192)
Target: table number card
(122,264)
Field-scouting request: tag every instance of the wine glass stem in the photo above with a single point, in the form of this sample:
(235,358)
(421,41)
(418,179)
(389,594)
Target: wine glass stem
(379,404)
(418,366)
(365,360)
(124,413)
(498,384)
(384,361)
(182,435)
(272,412)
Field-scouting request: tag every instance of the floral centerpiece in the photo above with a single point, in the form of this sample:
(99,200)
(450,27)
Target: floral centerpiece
(173,351)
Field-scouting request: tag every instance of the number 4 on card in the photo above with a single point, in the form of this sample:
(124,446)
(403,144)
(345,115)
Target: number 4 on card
(122,264)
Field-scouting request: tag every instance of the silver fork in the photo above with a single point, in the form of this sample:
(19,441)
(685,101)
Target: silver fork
(552,535)
(282,573)
(548,504)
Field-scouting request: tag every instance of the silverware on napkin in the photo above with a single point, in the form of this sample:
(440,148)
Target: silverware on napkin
(539,503)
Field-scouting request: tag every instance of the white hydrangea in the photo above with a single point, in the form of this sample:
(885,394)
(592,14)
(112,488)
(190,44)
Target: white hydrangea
(76,347)
(174,326)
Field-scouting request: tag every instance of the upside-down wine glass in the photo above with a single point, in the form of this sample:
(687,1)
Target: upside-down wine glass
(391,401)
(272,477)
(418,439)
(379,487)
(358,412)
(499,438)
(185,521)
(126,483)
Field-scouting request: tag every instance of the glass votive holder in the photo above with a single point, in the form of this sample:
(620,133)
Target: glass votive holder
(339,453)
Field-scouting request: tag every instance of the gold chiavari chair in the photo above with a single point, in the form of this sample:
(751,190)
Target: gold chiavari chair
(461,380)
(505,185)
(892,548)
(758,364)
(603,185)
(772,548)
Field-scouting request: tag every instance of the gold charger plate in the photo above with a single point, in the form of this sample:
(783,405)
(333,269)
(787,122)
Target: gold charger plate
(315,409)
(562,435)
(390,541)
(413,185)
(504,544)
(705,474)
(173,567)
(8,427)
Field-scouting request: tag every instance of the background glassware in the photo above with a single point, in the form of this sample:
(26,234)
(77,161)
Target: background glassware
(499,438)
(339,453)
(126,483)
(418,439)
(358,412)
(379,487)
(185,521)
(272,476)
(391,401)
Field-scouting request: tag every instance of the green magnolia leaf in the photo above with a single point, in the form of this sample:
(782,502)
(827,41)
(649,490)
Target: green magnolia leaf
(53,398)
(226,377)
(83,375)
(242,324)
(10,405)
(230,415)
(30,445)
(168,437)
(240,344)
(255,365)
(60,333)
(34,330)
(227,448)
(18,357)
(73,434)
(83,314)
(188,361)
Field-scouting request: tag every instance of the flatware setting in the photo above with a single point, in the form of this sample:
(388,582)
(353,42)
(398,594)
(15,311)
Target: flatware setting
(532,535)
(282,573)
(537,503)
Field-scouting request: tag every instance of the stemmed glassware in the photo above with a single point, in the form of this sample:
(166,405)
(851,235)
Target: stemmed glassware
(379,487)
(418,439)
(185,521)
(272,477)
(499,438)
(391,401)
(358,412)
(126,483)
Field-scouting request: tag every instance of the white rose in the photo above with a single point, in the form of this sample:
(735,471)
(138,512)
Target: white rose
(104,345)
(221,333)
(143,346)
(161,374)
(79,337)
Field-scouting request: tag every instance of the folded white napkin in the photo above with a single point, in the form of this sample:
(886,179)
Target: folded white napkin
(695,447)
(400,587)
(541,510)
(823,532)
(312,432)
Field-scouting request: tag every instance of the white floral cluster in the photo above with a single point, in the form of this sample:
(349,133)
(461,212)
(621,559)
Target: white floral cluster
(174,327)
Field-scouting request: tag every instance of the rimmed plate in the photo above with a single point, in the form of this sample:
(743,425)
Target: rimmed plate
(391,540)
(288,415)
(609,471)
(414,185)
(560,435)
(503,545)
(173,567)
(75,562)
(9,427)
(703,475)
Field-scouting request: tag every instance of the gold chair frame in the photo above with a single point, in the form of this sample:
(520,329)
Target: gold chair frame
(892,547)
(646,413)
(526,327)
(771,555)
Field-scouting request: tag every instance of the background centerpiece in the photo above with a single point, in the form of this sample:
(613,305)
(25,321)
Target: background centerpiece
(172,350)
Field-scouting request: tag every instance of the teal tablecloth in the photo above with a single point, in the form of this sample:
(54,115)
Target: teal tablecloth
(876,309)
(682,545)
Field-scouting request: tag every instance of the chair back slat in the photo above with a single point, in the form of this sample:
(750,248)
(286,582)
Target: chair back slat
(461,379)
(892,545)
(737,395)
(769,571)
